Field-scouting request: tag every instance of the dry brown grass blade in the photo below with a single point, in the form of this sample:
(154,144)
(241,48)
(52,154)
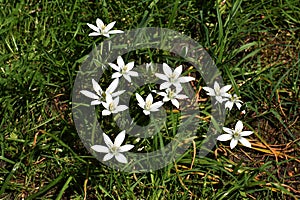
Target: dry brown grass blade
(277,150)
(180,180)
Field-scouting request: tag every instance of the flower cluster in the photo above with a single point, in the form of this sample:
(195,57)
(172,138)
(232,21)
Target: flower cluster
(222,97)
(109,98)
(170,90)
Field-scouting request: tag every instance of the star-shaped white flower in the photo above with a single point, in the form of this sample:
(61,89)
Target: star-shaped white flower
(148,105)
(233,100)
(171,95)
(114,149)
(101,29)
(236,135)
(100,94)
(172,77)
(123,70)
(219,93)
(111,106)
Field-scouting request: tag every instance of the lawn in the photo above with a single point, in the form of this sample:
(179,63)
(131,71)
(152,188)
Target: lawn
(254,44)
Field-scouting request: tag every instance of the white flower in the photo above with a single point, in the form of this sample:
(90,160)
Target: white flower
(114,149)
(148,105)
(233,100)
(101,29)
(123,70)
(171,95)
(220,93)
(236,135)
(112,106)
(172,78)
(100,95)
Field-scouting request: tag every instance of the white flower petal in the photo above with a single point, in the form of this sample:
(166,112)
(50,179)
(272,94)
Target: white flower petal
(156,105)
(186,79)
(216,86)
(100,148)
(99,23)
(116,101)
(238,105)
(220,99)
(167,70)
(166,98)
(114,66)
(94,34)
(127,77)
(146,112)
(121,158)
(239,126)
(126,147)
(245,142)
(108,98)
(162,94)
(246,133)
(181,96)
(115,31)
(227,95)
(96,102)
(177,85)
(224,137)
(140,100)
(149,98)
(175,103)
(165,85)
(116,75)
(105,104)
(107,141)
(120,139)
(108,157)
(162,76)
(227,130)
(96,87)
(121,108)
(113,86)
(115,94)
(178,70)
(130,65)
(229,105)
(225,88)
(95,28)
(106,112)
(133,73)
(120,62)
(233,143)
(211,92)
(110,26)
(178,90)
(89,94)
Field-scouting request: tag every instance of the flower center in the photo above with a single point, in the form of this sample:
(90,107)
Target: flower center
(172,78)
(111,106)
(171,94)
(114,150)
(236,135)
(124,70)
(148,105)
(218,93)
(103,95)
(103,27)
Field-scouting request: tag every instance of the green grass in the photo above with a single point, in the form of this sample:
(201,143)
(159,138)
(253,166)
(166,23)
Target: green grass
(255,45)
